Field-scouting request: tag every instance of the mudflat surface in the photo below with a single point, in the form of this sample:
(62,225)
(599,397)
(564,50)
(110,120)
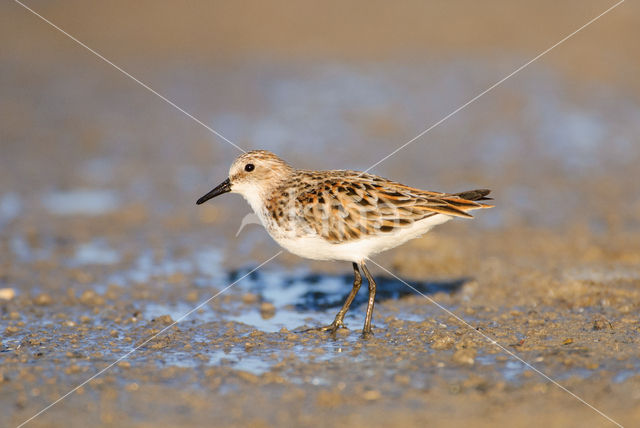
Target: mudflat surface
(102,247)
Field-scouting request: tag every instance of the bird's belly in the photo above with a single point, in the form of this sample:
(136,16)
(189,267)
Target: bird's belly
(317,248)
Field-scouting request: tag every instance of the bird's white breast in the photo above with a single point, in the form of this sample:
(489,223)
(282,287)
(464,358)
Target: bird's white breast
(305,243)
(318,248)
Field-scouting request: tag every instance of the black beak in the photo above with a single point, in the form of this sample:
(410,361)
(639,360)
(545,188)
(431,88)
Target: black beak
(223,187)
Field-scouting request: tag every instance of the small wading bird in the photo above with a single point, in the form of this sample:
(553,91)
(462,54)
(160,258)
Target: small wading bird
(339,215)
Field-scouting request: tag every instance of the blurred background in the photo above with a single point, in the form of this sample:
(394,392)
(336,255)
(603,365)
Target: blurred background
(326,86)
(99,177)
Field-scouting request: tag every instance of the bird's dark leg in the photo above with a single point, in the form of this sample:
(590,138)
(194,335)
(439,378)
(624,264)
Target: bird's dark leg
(366,331)
(338,321)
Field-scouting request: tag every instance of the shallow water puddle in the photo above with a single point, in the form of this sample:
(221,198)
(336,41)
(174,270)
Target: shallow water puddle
(282,318)
(95,252)
(511,370)
(300,300)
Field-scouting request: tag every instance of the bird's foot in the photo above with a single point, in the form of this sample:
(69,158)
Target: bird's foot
(331,328)
(367,333)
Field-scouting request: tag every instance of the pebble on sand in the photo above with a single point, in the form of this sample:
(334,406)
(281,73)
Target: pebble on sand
(442,341)
(163,319)
(466,356)
(249,298)
(267,310)
(7,293)
(42,299)
(371,395)
(601,324)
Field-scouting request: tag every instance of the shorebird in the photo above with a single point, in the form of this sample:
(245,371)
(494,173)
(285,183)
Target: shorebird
(339,214)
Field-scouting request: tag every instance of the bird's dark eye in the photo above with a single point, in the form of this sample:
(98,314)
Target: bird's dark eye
(249,167)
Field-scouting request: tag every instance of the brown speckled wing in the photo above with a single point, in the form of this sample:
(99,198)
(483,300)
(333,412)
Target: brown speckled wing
(342,206)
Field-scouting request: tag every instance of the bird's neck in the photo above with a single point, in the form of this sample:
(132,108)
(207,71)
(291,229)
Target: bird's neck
(258,197)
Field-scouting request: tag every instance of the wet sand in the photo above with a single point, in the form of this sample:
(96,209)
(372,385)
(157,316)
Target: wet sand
(102,246)
(236,359)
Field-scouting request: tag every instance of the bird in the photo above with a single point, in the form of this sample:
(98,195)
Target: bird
(340,215)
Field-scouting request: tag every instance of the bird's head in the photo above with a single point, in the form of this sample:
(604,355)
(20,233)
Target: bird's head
(252,173)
